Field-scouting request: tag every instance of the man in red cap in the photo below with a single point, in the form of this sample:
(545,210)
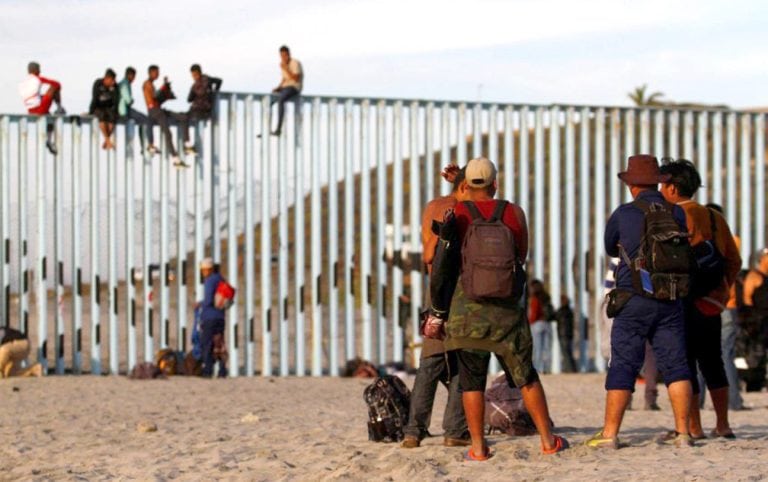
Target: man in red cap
(643,313)
(712,240)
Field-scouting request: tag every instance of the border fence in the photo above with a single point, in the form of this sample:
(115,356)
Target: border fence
(319,229)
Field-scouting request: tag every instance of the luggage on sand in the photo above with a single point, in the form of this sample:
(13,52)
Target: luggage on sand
(505,411)
(224,296)
(388,401)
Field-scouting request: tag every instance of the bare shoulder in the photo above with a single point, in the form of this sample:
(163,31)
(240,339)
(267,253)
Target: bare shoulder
(436,208)
(753,278)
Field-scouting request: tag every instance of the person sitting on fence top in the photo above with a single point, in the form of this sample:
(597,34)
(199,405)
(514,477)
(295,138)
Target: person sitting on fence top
(14,349)
(202,94)
(104,101)
(162,117)
(38,99)
(290,86)
(126,112)
(211,318)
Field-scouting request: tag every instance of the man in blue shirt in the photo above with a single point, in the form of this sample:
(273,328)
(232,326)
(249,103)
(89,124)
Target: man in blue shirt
(657,321)
(126,111)
(211,318)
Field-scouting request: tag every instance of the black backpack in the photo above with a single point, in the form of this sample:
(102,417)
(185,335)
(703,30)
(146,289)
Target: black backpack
(710,264)
(388,401)
(490,268)
(664,261)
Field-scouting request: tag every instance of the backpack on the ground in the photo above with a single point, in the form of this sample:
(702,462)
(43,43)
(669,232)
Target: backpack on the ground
(710,263)
(167,361)
(505,411)
(388,401)
(146,371)
(661,269)
(224,296)
(490,268)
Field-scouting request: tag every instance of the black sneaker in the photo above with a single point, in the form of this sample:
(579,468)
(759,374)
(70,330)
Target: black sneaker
(51,147)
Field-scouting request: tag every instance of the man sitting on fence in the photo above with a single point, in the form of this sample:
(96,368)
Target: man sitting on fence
(290,85)
(38,99)
(126,111)
(202,94)
(163,117)
(104,101)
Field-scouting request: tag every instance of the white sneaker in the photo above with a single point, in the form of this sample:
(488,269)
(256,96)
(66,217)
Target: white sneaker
(152,150)
(189,148)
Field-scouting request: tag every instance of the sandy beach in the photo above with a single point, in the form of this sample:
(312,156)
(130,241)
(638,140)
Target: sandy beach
(89,428)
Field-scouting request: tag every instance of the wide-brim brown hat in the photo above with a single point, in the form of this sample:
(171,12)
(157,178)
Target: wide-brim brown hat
(643,170)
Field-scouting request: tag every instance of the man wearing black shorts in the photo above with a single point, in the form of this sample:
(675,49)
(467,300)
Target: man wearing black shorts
(475,329)
(704,306)
(104,106)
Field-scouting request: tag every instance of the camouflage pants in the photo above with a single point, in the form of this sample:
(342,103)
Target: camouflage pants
(495,326)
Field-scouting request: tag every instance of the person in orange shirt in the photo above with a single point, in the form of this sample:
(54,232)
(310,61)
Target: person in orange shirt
(703,307)
(728,334)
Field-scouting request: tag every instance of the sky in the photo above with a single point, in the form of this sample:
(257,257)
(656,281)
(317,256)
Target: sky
(519,51)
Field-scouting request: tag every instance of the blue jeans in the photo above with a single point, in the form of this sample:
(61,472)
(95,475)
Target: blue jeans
(282,96)
(142,123)
(542,345)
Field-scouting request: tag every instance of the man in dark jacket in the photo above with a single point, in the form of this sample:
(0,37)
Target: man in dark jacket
(104,101)
(202,94)
(211,318)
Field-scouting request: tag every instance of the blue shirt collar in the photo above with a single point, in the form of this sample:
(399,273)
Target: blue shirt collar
(650,195)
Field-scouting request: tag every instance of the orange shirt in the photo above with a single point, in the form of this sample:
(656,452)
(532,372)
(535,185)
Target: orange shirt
(700,228)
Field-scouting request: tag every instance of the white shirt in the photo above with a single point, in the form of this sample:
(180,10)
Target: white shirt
(294,66)
(29,89)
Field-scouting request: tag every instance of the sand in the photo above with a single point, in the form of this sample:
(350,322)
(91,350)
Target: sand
(98,428)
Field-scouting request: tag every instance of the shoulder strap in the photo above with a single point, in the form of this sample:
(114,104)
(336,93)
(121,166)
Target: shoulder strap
(473,211)
(642,205)
(498,213)
(713,223)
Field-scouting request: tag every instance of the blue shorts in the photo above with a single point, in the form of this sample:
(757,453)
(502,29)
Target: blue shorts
(659,322)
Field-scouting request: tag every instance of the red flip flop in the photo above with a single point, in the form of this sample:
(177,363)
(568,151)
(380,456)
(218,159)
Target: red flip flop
(469,456)
(560,445)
